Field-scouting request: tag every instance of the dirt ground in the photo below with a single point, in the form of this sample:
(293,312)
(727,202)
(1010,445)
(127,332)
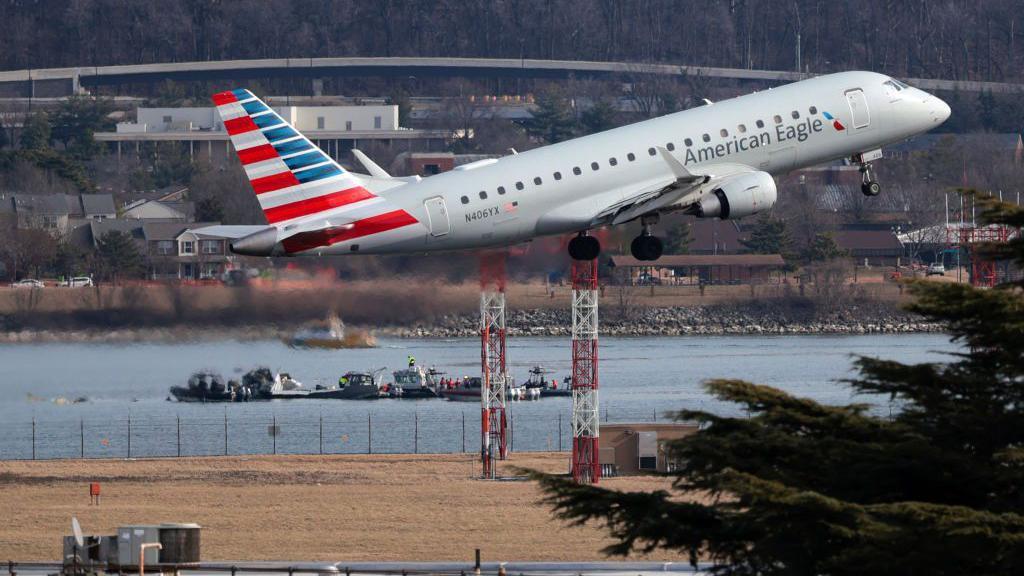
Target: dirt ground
(371,508)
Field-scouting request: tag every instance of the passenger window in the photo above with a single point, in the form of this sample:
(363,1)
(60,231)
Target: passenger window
(796,115)
(778,119)
(760,124)
(688,142)
(594,166)
(483,195)
(670,146)
(631,157)
(537,181)
(724,133)
(612,161)
(742,128)
(519,185)
(813,110)
(501,189)
(557,175)
(576,170)
(706,138)
(465,199)
(652,151)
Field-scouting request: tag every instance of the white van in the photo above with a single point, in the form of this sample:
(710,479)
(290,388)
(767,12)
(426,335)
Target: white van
(77,282)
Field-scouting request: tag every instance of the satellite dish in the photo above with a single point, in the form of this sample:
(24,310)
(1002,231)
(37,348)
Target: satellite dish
(76,529)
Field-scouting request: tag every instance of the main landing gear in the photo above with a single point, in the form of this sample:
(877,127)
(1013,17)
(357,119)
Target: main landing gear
(584,247)
(868,185)
(647,246)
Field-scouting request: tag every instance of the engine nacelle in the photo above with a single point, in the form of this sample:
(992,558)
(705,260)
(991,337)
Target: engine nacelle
(738,196)
(262,243)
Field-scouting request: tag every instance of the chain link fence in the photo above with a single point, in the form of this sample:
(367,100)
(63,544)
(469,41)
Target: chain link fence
(182,436)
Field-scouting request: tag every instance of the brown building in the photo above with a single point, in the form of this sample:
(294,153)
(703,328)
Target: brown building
(870,247)
(631,449)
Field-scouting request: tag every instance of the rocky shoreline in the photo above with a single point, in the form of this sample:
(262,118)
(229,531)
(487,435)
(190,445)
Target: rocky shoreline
(667,321)
(677,321)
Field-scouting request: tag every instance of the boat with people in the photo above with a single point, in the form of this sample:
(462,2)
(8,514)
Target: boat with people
(415,382)
(538,381)
(466,390)
(353,386)
(257,384)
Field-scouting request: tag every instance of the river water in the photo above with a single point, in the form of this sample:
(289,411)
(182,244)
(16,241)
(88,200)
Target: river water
(127,412)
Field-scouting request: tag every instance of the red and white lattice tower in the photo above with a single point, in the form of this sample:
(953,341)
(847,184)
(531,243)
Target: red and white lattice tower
(494,373)
(586,466)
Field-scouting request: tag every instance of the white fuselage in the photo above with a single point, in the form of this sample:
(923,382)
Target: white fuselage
(564,187)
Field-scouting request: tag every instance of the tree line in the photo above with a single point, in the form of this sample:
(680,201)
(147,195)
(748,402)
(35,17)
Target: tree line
(955,39)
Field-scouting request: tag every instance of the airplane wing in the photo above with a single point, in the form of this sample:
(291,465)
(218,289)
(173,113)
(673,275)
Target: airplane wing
(679,189)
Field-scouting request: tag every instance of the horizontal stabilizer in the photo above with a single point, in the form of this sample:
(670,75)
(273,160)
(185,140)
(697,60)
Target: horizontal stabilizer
(371,167)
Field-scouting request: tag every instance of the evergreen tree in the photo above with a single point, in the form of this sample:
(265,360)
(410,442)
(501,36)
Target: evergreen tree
(678,238)
(806,489)
(552,119)
(822,249)
(769,236)
(209,209)
(75,122)
(598,118)
(118,256)
(35,135)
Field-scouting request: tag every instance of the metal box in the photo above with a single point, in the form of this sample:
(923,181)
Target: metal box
(129,538)
(180,544)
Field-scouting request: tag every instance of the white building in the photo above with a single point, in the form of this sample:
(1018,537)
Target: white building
(304,118)
(336,129)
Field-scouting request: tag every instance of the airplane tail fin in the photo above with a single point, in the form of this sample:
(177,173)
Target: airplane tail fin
(293,179)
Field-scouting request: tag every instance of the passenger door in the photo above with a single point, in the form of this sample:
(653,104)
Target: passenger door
(437,215)
(858,104)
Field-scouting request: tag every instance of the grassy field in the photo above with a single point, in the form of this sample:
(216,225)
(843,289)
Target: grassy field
(383,508)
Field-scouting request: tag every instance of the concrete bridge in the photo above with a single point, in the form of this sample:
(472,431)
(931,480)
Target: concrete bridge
(57,82)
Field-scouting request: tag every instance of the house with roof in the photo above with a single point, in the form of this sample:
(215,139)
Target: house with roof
(178,250)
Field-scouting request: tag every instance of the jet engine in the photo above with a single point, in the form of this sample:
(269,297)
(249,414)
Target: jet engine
(738,196)
(262,243)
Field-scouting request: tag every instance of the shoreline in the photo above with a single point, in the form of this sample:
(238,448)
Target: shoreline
(677,321)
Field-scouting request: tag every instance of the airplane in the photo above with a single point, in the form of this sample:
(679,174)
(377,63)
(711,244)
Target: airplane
(714,161)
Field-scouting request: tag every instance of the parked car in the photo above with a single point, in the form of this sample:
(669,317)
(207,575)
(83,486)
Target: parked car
(28,283)
(645,279)
(936,269)
(77,282)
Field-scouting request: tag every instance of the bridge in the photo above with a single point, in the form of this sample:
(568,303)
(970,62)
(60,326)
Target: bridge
(58,82)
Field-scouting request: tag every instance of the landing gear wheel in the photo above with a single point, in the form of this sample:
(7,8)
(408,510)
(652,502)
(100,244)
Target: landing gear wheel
(868,185)
(584,247)
(871,188)
(646,248)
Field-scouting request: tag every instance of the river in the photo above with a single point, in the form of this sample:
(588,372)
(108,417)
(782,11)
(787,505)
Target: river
(127,412)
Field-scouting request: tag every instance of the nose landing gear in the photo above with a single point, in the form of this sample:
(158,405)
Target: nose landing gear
(584,247)
(868,185)
(647,246)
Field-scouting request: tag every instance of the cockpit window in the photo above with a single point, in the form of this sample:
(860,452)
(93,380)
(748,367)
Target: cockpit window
(895,84)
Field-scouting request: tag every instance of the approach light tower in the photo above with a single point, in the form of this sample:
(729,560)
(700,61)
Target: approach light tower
(586,466)
(494,373)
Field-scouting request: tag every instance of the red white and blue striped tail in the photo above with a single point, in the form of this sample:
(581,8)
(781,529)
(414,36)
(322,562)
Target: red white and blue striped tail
(292,178)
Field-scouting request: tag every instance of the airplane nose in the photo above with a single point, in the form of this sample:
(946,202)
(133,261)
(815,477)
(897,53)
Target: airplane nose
(940,110)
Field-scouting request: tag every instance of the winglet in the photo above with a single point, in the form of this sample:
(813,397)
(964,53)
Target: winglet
(681,173)
(371,166)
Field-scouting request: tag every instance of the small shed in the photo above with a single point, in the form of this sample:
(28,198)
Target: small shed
(637,448)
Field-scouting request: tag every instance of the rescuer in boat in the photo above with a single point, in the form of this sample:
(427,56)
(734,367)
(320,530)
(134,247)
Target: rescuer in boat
(412,362)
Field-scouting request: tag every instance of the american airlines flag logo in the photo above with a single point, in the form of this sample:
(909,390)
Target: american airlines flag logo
(511,206)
